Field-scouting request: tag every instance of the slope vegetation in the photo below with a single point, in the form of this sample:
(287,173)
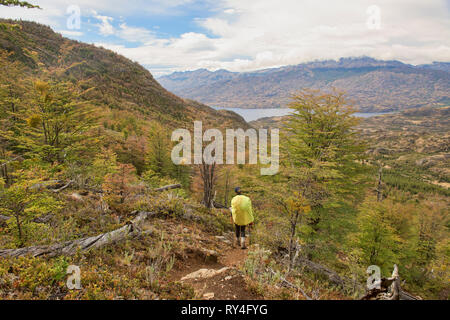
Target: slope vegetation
(117,83)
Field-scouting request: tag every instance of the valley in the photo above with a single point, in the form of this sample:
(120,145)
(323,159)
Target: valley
(88,179)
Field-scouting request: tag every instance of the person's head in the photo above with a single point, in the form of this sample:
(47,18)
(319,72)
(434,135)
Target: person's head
(238,190)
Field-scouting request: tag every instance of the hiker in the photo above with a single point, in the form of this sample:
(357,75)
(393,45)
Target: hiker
(242,216)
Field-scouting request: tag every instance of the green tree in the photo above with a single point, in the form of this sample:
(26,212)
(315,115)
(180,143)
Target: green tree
(322,136)
(321,150)
(13,100)
(158,157)
(13,85)
(159,160)
(17,3)
(297,208)
(24,201)
(119,185)
(56,126)
(431,235)
(104,165)
(377,241)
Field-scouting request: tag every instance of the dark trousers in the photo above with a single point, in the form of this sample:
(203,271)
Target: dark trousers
(240,231)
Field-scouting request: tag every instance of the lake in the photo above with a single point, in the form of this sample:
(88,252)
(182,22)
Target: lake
(255,114)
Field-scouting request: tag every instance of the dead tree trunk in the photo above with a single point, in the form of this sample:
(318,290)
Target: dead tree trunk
(169,187)
(290,285)
(131,229)
(4,168)
(293,222)
(389,289)
(5,173)
(379,188)
(331,275)
(207,172)
(63,187)
(227,186)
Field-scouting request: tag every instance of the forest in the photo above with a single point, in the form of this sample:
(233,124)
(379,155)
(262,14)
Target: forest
(87,180)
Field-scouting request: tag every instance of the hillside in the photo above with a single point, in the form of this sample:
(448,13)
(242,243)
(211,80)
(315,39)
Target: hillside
(116,83)
(413,145)
(93,207)
(373,85)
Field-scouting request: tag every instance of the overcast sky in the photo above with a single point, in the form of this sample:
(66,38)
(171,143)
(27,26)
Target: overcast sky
(244,35)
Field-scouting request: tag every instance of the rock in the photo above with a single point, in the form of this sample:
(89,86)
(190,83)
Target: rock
(210,255)
(209,296)
(185,230)
(76,197)
(190,217)
(223,239)
(53,184)
(433,160)
(210,252)
(228,278)
(381,151)
(204,274)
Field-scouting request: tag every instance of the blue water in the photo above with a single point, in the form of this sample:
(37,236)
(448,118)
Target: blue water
(255,114)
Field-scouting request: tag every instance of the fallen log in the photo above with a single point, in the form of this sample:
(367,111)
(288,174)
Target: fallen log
(52,184)
(219,205)
(316,268)
(44,219)
(12,160)
(286,283)
(407,296)
(165,188)
(322,270)
(169,187)
(131,229)
(63,187)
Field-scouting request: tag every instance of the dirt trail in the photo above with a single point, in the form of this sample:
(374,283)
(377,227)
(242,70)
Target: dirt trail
(217,279)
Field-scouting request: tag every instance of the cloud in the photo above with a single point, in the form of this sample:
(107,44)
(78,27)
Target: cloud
(105,27)
(134,34)
(165,55)
(70,33)
(249,35)
(272,34)
(53,12)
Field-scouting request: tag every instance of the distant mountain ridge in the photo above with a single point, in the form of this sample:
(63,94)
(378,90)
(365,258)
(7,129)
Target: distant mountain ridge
(372,84)
(443,66)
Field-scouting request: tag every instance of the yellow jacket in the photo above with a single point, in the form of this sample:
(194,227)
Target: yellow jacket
(241,208)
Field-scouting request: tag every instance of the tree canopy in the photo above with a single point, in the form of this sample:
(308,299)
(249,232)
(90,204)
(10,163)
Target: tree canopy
(17,3)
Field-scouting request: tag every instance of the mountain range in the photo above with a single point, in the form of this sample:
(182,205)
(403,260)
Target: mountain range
(372,85)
